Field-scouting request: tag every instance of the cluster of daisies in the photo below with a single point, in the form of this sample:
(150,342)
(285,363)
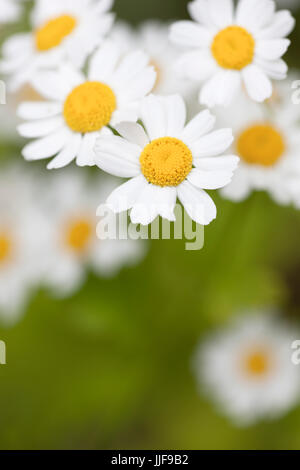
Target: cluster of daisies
(174,110)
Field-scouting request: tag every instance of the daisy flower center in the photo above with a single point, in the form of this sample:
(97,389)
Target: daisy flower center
(52,33)
(78,235)
(166,162)
(89,107)
(5,248)
(233,48)
(261,144)
(257,363)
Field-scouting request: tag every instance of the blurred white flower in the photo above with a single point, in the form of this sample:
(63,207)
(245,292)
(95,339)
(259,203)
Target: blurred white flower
(153,38)
(10,10)
(61,30)
(21,229)
(72,246)
(82,108)
(267,141)
(233,48)
(168,159)
(248,370)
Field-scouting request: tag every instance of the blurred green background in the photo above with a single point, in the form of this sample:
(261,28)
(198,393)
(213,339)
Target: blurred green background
(110,367)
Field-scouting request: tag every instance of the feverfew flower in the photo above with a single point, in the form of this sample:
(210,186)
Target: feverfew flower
(61,30)
(153,38)
(82,108)
(72,245)
(232,48)
(248,369)
(167,160)
(267,141)
(21,229)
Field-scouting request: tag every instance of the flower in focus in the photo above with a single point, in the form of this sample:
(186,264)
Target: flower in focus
(248,369)
(167,160)
(71,244)
(267,142)
(233,48)
(153,38)
(61,30)
(82,108)
(21,228)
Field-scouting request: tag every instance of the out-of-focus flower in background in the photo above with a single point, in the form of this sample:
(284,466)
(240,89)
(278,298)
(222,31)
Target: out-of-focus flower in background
(248,368)
(153,38)
(168,159)
(81,108)
(230,48)
(10,10)
(61,30)
(267,142)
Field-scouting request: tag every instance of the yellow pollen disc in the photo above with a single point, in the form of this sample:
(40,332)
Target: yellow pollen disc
(54,32)
(79,234)
(89,107)
(166,162)
(233,48)
(257,363)
(5,248)
(261,144)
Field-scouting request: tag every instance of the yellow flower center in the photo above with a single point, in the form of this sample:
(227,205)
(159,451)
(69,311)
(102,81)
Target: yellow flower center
(89,107)
(233,48)
(261,144)
(166,162)
(52,33)
(257,363)
(5,248)
(79,235)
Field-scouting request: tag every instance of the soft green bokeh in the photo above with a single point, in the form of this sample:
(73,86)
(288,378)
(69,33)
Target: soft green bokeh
(111,367)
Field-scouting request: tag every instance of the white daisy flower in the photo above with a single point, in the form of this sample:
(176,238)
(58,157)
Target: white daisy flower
(10,10)
(248,369)
(153,38)
(21,228)
(233,48)
(167,160)
(72,245)
(82,107)
(267,141)
(61,30)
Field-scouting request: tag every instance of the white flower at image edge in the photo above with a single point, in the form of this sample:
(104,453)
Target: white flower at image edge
(232,48)
(167,160)
(10,10)
(82,108)
(62,30)
(247,369)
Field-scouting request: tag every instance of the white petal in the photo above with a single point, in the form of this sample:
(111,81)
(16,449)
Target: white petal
(212,144)
(272,49)
(46,147)
(104,61)
(196,65)
(125,196)
(200,125)
(34,110)
(86,154)
(163,116)
(199,205)
(254,14)
(221,13)
(68,153)
(221,88)
(40,128)
(190,34)
(117,156)
(214,178)
(240,186)
(275,69)
(154,201)
(258,85)
(51,85)
(200,11)
(226,162)
(282,25)
(133,132)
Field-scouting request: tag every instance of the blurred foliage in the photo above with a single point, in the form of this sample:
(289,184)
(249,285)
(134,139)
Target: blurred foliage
(110,367)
